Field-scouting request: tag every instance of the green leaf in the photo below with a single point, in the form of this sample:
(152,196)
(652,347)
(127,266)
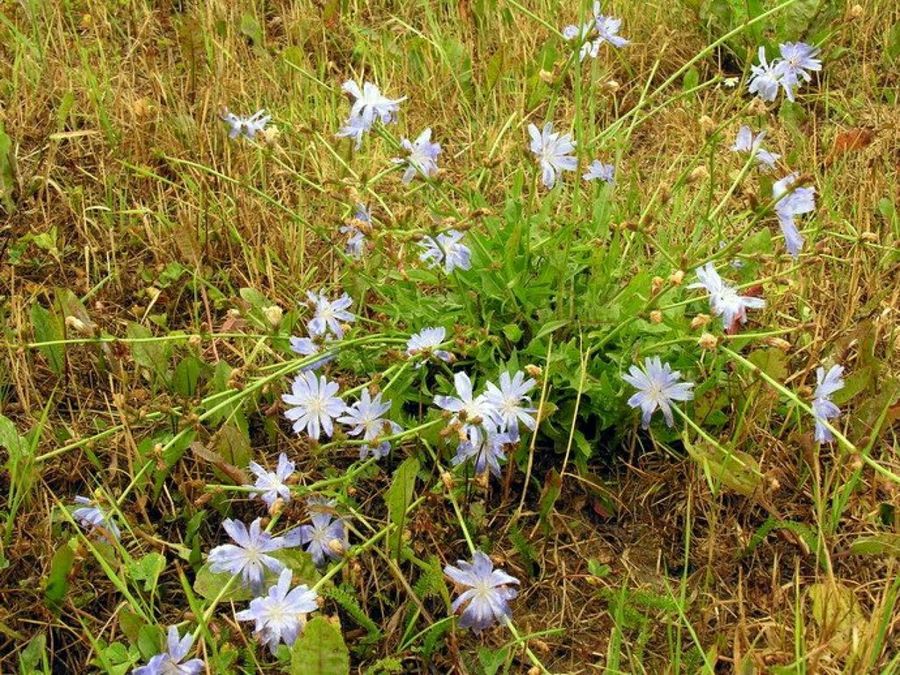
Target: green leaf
(320,650)
(492,659)
(33,658)
(147,569)
(49,328)
(7,172)
(209,584)
(58,578)
(881,544)
(732,468)
(187,375)
(151,355)
(251,29)
(549,495)
(398,497)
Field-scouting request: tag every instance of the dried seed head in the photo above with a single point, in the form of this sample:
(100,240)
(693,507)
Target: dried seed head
(656,285)
(708,341)
(856,11)
(700,321)
(534,371)
(676,277)
(273,314)
(699,174)
(707,125)
(656,316)
(778,343)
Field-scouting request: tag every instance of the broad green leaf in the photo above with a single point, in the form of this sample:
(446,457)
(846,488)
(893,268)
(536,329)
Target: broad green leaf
(734,469)
(58,578)
(320,650)
(880,544)
(209,584)
(399,495)
(49,328)
(147,569)
(838,615)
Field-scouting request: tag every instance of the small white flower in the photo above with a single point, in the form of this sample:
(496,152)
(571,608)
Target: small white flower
(475,409)
(553,152)
(823,408)
(92,517)
(170,661)
(422,156)
(507,401)
(366,418)
(747,142)
(600,171)
(724,300)
(249,556)
(329,314)
(426,342)
(248,127)
(446,249)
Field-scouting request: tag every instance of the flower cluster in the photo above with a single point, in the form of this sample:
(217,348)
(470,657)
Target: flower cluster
(369,106)
(789,72)
(594,32)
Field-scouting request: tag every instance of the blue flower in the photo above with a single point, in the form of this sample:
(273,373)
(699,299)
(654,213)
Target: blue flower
(797,58)
(366,418)
(329,314)
(823,408)
(426,343)
(249,556)
(484,444)
(308,347)
(422,156)
(314,404)
(170,661)
(91,517)
(356,241)
(270,485)
(507,402)
(280,615)
(791,203)
(368,106)
(552,150)
(593,33)
(600,171)
(484,600)
(469,409)
(608,28)
(658,385)
(246,126)
(764,79)
(724,300)
(325,538)
(747,142)
(445,249)
(355,128)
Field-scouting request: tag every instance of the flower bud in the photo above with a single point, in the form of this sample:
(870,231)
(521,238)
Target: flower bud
(699,321)
(656,285)
(273,314)
(78,325)
(778,343)
(534,371)
(856,11)
(676,277)
(656,316)
(707,124)
(701,173)
(612,86)
(708,341)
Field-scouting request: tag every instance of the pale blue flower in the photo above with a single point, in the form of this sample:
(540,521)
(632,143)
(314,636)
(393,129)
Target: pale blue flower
(369,104)
(583,33)
(280,615)
(485,445)
(314,405)
(426,343)
(366,417)
(823,408)
(248,127)
(325,538)
(608,28)
(484,600)
(764,79)
(270,485)
(356,240)
(511,403)
(797,58)
(658,385)
(791,203)
(170,661)
(445,249)
(249,556)
(468,408)
(308,347)
(747,142)
(600,171)
(422,157)
(91,517)
(552,150)
(355,128)
(724,299)
(329,314)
